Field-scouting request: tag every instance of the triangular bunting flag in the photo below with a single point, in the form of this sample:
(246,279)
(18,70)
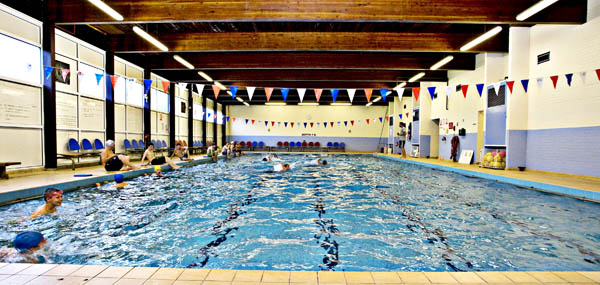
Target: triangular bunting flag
(301,92)
(339,123)
(497,87)
(269,91)
(312,124)
(431,91)
(253,122)
(318,124)
(569,78)
(325,124)
(216,91)
(147,85)
(247,121)
(380,119)
(305,125)
(554,79)
(367,121)
(227,118)
(480,88)
(292,123)
(540,81)
(387,118)
(400,115)
(279,124)
(331,124)
(510,85)
(165,85)
(64,73)
(318,93)
(233,90)
(358,122)
(368,93)
(266,123)
(464,89)
(250,92)
(598,73)
(352,123)
(334,93)
(351,93)
(113,80)
(200,89)
(272,123)
(449,90)
(233,119)
(400,92)
(284,92)
(99,78)
(182,85)
(416,92)
(48,71)
(525,83)
(345,123)
(383,92)
(583,76)
(407,115)
(285,124)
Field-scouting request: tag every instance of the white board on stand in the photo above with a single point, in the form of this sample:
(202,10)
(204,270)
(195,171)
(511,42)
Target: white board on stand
(466,156)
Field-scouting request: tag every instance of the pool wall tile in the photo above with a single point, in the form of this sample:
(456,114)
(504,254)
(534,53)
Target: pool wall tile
(276,276)
(14,268)
(556,189)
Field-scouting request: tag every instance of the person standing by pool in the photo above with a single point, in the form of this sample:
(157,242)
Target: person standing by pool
(152,160)
(25,246)
(113,162)
(53,198)
(402,138)
(183,154)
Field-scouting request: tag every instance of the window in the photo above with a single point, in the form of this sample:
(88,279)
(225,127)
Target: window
(88,83)
(159,101)
(20,60)
(135,96)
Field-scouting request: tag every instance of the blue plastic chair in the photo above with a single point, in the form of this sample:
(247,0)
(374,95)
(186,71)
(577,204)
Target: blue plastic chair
(135,145)
(254,143)
(142,144)
(154,142)
(261,144)
(86,145)
(329,144)
(127,144)
(298,144)
(98,145)
(342,144)
(336,145)
(292,144)
(164,144)
(73,145)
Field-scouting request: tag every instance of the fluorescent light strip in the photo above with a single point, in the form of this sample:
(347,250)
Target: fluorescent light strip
(442,62)
(341,104)
(369,104)
(150,38)
(308,104)
(107,9)
(229,92)
(205,76)
(377,99)
(416,77)
(275,104)
(247,105)
(481,38)
(401,85)
(221,86)
(239,99)
(183,61)
(539,6)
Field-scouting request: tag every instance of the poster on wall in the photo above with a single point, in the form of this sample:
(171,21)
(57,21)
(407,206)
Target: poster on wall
(20,104)
(66,110)
(59,67)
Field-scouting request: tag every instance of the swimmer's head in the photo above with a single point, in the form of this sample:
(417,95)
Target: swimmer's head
(286,166)
(264,159)
(324,162)
(51,193)
(119,178)
(110,144)
(26,241)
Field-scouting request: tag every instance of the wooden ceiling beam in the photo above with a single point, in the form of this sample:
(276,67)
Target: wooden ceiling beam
(310,41)
(451,11)
(306,60)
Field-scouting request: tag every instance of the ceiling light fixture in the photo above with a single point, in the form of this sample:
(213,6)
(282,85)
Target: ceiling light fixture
(229,92)
(442,62)
(183,61)
(107,9)
(150,38)
(308,104)
(369,104)
(205,76)
(275,104)
(239,99)
(377,99)
(539,6)
(221,86)
(481,38)
(416,77)
(341,104)
(247,105)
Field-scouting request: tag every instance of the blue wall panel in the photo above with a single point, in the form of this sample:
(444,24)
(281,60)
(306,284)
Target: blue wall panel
(516,151)
(468,142)
(424,146)
(495,125)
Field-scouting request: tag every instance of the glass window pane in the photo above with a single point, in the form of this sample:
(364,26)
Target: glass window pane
(135,95)
(119,94)
(20,60)
(88,83)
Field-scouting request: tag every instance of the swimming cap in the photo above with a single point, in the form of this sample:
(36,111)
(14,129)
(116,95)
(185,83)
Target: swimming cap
(118,178)
(27,240)
(156,168)
(110,143)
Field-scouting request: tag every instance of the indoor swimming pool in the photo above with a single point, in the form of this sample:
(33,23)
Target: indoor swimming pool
(358,213)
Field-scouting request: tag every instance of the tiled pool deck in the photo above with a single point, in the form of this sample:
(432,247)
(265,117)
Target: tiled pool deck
(84,274)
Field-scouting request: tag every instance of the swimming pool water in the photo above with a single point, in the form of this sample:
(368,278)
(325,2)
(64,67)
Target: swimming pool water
(359,213)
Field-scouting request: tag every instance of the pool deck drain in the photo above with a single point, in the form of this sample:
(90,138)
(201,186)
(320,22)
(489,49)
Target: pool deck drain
(21,273)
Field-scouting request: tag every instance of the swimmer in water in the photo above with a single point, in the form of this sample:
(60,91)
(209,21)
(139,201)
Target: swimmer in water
(316,162)
(25,246)
(157,172)
(281,167)
(271,157)
(119,181)
(53,198)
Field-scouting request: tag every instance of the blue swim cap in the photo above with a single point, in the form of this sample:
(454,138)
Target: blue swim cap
(27,240)
(118,178)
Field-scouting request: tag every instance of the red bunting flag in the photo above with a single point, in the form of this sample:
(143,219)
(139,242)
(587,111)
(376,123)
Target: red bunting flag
(510,85)
(367,121)
(554,79)
(318,93)
(387,118)
(312,124)
(268,91)
(65,72)
(234,119)
(216,90)
(331,123)
(352,122)
(253,122)
(416,92)
(113,79)
(272,123)
(464,89)
(165,85)
(406,115)
(292,124)
(598,73)
(368,93)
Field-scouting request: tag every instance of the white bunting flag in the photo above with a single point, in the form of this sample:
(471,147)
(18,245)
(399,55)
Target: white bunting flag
(449,90)
(351,93)
(540,81)
(250,92)
(583,75)
(200,88)
(301,92)
(182,85)
(497,87)
(400,91)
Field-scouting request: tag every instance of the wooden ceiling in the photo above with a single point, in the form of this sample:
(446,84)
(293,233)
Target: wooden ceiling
(302,44)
